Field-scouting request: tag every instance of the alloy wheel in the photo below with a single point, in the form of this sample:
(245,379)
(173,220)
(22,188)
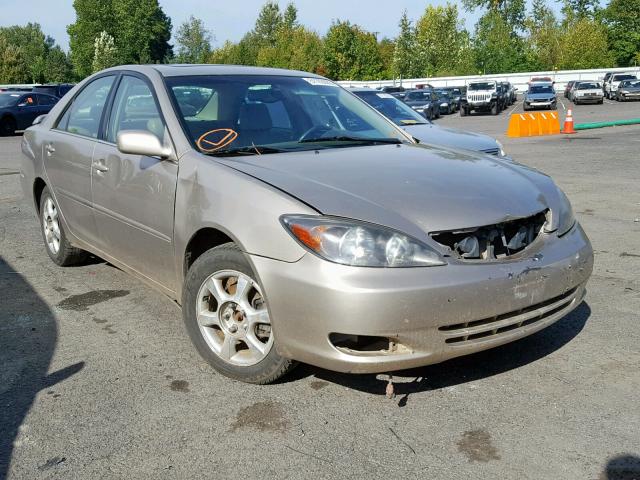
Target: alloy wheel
(233,318)
(51,226)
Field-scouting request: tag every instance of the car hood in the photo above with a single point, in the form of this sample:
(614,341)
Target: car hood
(417,103)
(413,188)
(451,137)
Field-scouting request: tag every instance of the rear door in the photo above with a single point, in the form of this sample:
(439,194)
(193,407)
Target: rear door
(134,195)
(68,150)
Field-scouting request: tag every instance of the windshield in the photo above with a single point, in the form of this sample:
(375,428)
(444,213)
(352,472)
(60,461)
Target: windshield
(413,96)
(9,99)
(588,86)
(631,83)
(481,86)
(541,89)
(442,94)
(392,108)
(242,113)
(617,78)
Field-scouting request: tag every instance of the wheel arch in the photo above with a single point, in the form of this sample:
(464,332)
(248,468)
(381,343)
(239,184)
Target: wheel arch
(202,240)
(38,187)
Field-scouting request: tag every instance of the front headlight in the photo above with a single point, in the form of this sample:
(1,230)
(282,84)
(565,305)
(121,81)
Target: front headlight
(566,219)
(355,243)
(624,92)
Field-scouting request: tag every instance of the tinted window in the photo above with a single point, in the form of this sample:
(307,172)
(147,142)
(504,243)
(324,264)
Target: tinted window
(134,108)
(46,100)
(84,114)
(481,86)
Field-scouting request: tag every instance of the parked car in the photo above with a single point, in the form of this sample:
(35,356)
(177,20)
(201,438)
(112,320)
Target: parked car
(56,89)
(456,95)
(567,87)
(481,96)
(392,89)
(541,79)
(611,85)
(425,102)
(292,222)
(510,93)
(446,103)
(425,131)
(19,110)
(540,95)
(628,90)
(587,92)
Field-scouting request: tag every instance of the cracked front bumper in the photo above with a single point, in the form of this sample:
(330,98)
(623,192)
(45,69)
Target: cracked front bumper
(434,313)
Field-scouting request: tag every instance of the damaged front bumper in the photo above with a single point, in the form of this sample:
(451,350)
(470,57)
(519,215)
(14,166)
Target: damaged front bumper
(367,320)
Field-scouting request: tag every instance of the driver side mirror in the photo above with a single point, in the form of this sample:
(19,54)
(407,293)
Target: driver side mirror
(141,142)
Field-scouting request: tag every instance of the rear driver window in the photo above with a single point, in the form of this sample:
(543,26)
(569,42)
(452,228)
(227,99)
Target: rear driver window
(84,114)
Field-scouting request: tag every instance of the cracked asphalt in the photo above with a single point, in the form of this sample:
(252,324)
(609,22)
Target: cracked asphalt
(99,381)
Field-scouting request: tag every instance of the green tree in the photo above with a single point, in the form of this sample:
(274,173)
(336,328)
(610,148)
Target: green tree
(34,46)
(544,44)
(290,17)
(585,45)
(496,50)
(404,59)
(350,53)
(105,54)
(439,40)
(141,31)
(13,68)
(193,41)
(512,11)
(622,19)
(295,47)
(386,50)
(92,17)
(577,9)
(57,66)
(267,24)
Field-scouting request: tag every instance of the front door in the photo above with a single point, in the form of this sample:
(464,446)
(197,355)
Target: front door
(27,111)
(67,152)
(134,195)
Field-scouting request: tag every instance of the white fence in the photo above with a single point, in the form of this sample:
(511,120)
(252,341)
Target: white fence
(519,80)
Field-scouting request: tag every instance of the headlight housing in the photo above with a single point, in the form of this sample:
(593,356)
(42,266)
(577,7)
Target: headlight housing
(355,243)
(566,218)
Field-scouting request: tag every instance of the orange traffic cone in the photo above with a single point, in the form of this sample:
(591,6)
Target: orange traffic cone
(568,123)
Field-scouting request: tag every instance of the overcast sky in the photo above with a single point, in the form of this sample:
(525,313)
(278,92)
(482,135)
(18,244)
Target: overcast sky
(231,19)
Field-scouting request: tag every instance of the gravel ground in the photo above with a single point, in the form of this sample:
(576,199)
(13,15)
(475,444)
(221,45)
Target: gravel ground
(98,379)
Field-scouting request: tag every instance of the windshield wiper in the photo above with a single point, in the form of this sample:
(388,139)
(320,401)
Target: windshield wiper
(248,150)
(346,138)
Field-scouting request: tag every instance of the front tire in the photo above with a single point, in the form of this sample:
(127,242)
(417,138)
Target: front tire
(226,317)
(494,109)
(7,127)
(55,239)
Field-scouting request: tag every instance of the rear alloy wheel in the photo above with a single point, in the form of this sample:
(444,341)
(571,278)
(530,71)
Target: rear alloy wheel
(55,240)
(226,317)
(7,127)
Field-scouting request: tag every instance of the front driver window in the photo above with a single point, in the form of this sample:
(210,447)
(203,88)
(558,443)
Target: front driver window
(134,108)
(84,114)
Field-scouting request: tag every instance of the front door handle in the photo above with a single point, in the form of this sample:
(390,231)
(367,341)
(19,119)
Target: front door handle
(100,167)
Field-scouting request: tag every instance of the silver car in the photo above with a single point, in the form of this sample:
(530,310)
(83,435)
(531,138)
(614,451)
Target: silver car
(424,130)
(293,222)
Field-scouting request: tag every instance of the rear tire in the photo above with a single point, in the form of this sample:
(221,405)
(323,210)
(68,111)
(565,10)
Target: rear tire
(55,239)
(7,127)
(239,337)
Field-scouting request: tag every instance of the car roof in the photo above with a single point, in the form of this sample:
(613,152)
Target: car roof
(363,89)
(178,70)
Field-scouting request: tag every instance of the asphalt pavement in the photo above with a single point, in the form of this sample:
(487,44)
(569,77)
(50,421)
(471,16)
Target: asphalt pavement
(99,381)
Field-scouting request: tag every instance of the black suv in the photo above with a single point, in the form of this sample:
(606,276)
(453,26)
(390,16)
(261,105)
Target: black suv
(55,89)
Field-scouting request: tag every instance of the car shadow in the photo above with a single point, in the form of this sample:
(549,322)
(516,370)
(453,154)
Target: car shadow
(622,467)
(462,369)
(28,336)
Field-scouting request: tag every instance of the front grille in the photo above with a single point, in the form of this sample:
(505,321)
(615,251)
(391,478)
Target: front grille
(492,242)
(478,330)
(479,97)
(492,151)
